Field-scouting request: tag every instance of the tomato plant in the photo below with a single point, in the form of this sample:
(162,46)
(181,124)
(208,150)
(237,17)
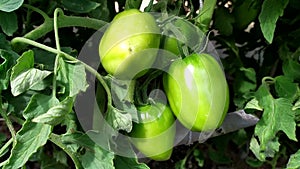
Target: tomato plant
(54,72)
(197,91)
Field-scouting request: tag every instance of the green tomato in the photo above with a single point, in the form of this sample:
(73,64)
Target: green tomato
(129,45)
(197,91)
(154,135)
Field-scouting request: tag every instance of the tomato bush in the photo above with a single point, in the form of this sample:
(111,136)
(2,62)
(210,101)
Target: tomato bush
(46,79)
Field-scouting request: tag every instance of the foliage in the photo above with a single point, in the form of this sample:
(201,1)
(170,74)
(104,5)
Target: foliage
(41,77)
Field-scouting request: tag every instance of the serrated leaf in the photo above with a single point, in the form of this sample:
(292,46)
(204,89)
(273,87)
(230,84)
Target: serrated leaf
(7,60)
(29,138)
(80,6)
(39,104)
(72,77)
(124,162)
(294,161)
(26,80)
(56,114)
(120,90)
(270,12)
(277,116)
(10,5)
(8,22)
(119,120)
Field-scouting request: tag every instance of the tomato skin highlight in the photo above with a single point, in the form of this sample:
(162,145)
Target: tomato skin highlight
(123,48)
(154,135)
(197,91)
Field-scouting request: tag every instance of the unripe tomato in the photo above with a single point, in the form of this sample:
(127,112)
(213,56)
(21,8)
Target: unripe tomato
(154,135)
(124,46)
(197,91)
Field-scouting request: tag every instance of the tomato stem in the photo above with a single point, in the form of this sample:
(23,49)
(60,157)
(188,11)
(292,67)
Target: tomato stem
(54,138)
(8,123)
(62,21)
(56,63)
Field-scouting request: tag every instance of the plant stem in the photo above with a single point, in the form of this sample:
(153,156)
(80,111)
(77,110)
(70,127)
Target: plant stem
(69,57)
(8,123)
(62,21)
(56,63)
(5,146)
(54,138)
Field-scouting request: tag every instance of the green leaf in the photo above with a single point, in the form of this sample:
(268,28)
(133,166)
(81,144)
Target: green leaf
(270,12)
(56,114)
(72,77)
(102,12)
(10,5)
(253,104)
(4,44)
(277,116)
(29,138)
(94,156)
(24,62)
(80,6)
(285,87)
(7,60)
(291,69)
(27,80)
(8,22)
(122,94)
(132,163)
(39,104)
(294,161)
(119,120)
(58,161)
(244,86)
(223,21)
(133,4)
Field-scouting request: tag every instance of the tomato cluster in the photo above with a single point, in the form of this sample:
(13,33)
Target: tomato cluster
(195,85)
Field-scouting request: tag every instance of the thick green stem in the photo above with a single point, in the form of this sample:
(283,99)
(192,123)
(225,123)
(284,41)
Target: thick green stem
(203,20)
(62,21)
(54,138)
